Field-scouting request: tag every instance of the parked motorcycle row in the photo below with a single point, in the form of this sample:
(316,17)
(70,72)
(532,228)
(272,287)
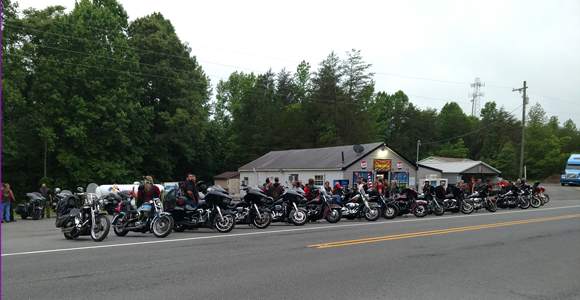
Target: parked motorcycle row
(85,213)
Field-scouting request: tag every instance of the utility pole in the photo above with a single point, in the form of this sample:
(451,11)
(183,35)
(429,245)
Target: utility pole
(475,96)
(523,127)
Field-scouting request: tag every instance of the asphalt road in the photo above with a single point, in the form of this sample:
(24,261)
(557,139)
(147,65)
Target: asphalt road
(510,254)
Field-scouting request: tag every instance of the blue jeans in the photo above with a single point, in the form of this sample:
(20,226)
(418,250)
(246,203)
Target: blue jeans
(336,199)
(5,211)
(191,203)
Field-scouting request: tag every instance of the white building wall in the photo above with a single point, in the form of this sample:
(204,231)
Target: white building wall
(259,177)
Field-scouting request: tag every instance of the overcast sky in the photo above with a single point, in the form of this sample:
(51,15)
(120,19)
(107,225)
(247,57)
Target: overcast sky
(431,50)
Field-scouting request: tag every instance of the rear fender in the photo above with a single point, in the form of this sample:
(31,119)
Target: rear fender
(117,216)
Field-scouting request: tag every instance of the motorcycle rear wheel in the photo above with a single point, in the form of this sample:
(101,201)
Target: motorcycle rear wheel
(72,235)
(100,228)
(535,202)
(420,210)
(390,211)
(334,215)
(262,221)
(298,218)
(224,225)
(117,228)
(546,198)
(179,228)
(162,226)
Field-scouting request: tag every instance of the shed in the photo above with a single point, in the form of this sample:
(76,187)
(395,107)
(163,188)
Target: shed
(230,181)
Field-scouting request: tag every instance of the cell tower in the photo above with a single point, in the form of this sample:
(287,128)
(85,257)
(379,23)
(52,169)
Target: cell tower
(475,97)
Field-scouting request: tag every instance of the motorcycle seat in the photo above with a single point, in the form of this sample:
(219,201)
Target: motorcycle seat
(188,207)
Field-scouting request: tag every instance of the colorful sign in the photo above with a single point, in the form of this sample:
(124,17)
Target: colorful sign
(343,183)
(480,169)
(363,165)
(382,165)
(399,165)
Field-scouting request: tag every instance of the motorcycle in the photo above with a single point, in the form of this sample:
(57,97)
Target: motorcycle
(321,207)
(33,208)
(148,217)
(527,192)
(389,209)
(251,209)
(59,195)
(478,200)
(538,192)
(435,206)
(75,220)
(454,198)
(407,203)
(213,211)
(512,198)
(113,200)
(290,207)
(359,206)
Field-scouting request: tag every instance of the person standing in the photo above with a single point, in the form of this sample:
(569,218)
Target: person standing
(337,193)
(47,194)
(191,192)
(327,188)
(147,191)
(7,198)
(476,186)
(440,191)
(276,190)
(395,187)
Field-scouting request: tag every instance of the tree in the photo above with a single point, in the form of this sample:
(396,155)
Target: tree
(506,161)
(176,92)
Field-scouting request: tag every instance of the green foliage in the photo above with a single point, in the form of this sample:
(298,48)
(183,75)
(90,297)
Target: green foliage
(456,150)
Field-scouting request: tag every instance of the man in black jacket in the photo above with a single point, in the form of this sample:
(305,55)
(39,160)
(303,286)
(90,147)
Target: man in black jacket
(440,191)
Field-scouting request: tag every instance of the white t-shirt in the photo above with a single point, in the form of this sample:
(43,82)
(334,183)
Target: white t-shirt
(361,189)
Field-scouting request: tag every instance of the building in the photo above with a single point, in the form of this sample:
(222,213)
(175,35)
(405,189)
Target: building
(230,181)
(333,164)
(453,170)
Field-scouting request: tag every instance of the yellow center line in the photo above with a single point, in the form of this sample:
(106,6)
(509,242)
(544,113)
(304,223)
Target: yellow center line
(434,232)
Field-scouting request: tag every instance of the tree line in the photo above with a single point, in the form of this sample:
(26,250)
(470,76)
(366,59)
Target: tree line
(88,96)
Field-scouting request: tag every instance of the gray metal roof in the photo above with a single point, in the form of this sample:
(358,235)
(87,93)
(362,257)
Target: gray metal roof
(315,159)
(457,167)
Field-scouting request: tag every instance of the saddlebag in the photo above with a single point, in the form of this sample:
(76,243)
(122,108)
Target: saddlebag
(21,208)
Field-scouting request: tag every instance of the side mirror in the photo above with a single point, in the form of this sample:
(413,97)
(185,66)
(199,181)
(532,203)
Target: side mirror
(80,189)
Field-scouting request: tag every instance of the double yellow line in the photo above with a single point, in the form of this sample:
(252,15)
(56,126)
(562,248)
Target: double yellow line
(434,232)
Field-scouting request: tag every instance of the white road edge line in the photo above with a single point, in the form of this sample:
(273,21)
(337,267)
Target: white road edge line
(281,231)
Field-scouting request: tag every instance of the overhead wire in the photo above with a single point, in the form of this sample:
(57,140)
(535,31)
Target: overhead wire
(459,136)
(181,57)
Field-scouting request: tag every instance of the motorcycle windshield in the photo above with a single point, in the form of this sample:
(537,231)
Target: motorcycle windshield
(66,192)
(92,188)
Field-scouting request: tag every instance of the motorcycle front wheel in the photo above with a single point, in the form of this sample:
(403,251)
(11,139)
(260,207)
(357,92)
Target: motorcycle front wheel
(535,202)
(491,206)
(438,209)
(546,198)
(262,221)
(372,214)
(100,228)
(298,218)
(524,203)
(467,208)
(334,215)
(162,226)
(36,214)
(225,224)
(420,210)
(390,211)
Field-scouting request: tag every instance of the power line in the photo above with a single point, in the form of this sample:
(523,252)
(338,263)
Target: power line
(555,99)
(459,136)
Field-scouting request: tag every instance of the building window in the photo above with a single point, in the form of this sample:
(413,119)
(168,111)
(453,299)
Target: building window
(318,179)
